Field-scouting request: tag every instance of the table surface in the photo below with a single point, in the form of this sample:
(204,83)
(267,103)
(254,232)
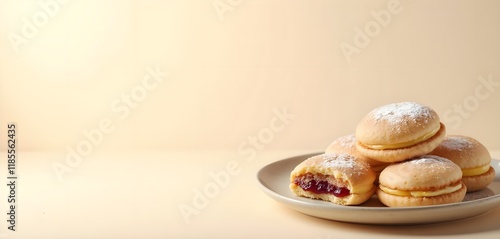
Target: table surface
(191,194)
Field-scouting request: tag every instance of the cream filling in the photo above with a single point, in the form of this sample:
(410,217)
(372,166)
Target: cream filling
(445,190)
(404,144)
(467,172)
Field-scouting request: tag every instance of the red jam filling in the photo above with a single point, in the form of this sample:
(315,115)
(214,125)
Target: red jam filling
(320,187)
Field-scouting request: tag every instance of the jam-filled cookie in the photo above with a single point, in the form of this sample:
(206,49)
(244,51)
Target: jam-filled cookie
(338,178)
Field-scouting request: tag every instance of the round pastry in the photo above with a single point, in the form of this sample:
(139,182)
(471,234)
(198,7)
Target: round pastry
(399,131)
(425,180)
(472,157)
(347,144)
(338,178)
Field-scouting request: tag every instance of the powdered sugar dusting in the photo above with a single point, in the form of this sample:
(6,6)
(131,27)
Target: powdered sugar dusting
(456,143)
(401,113)
(429,159)
(347,141)
(338,161)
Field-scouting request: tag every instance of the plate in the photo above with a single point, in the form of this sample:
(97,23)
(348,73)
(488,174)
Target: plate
(274,179)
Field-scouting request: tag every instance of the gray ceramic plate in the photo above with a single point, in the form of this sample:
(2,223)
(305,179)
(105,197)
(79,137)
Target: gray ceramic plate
(274,180)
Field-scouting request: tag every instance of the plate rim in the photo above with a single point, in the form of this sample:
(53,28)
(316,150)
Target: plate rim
(487,203)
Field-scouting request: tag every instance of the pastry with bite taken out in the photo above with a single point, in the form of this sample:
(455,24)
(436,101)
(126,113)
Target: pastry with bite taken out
(338,178)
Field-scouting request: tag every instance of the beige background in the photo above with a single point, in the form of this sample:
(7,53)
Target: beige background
(249,82)
(229,71)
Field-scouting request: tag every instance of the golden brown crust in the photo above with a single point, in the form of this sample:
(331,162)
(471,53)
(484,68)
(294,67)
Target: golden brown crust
(397,155)
(479,182)
(424,173)
(396,123)
(465,151)
(347,144)
(342,170)
(428,173)
(408,201)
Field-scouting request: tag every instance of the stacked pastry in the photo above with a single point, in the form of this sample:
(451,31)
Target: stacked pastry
(401,153)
